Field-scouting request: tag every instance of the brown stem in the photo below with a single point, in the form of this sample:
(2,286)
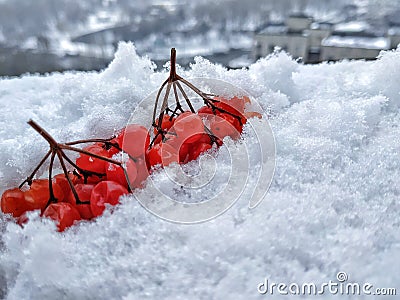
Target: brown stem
(164,104)
(195,89)
(127,180)
(186,97)
(90,141)
(177,81)
(30,177)
(211,134)
(52,198)
(85,173)
(66,147)
(157,99)
(71,185)
(207,100)
(43,133)
(172,73)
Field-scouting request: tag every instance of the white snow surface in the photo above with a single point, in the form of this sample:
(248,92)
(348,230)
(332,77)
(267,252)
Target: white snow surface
(333,204)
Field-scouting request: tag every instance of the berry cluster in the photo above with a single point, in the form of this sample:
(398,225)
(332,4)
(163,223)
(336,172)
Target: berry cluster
(109,168)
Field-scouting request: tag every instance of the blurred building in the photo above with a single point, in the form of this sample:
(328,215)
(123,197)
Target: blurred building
(316,41)
(316,33)
(352,47)
(394,35)
(290,36)
(353,40)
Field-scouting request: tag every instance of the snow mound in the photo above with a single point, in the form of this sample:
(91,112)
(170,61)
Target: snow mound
(333,204)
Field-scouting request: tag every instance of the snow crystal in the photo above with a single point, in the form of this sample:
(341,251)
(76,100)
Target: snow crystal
(333,204)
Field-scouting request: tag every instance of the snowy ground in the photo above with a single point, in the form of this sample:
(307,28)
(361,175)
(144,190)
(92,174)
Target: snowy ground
(333,204)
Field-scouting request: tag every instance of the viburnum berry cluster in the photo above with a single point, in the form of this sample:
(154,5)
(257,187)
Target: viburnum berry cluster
(106,169)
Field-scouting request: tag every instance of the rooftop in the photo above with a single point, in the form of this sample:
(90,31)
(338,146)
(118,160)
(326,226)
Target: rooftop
(382,43)
(354,27)
(273,28)
(394,30)
(321,25)
(300,15)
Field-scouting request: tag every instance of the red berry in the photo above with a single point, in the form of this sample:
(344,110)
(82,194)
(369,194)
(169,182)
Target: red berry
(116,173)
(158,139)
(173,140)
(221,128)
(13,202)
(84,192)
(204,138)
(90,163)
(38,194)
(186,148)
(204,111)
(62,181)
(119,138)
(233,121)
(111,150)
(252,114)
(22,219)
(188,126)
(153,155)
(166,123)
(142,172)
(184,153)
(162,154)
(135,140)
(235,106)
(169,154)
(64,214)
(198,149)
(105,192)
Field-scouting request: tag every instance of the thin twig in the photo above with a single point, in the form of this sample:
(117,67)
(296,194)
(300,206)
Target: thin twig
(30,177)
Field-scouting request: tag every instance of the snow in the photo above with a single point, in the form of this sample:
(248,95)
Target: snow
(240,62)
(332,206)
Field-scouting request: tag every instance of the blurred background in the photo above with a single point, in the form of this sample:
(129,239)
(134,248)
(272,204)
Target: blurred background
(48,35)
